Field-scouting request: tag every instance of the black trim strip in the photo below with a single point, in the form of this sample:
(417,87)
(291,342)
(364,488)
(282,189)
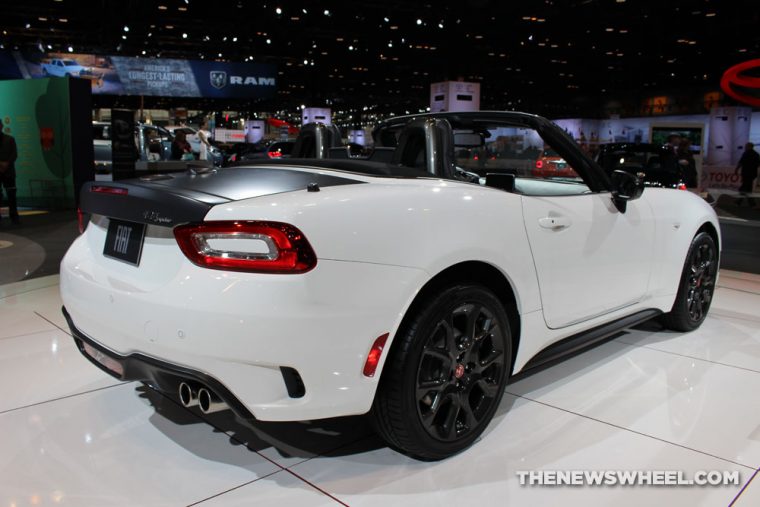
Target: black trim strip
(163,375)
(584,339)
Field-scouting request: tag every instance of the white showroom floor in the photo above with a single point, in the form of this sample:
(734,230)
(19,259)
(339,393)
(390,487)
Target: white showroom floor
(646,400)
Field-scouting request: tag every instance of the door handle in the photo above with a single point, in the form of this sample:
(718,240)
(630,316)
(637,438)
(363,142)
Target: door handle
(555,222)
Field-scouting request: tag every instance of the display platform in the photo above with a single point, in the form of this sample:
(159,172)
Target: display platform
(646,400)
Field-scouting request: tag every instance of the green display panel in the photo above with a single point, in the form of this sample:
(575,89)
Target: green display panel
(36,113)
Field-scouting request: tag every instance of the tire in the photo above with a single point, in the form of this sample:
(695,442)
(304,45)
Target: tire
(697,286)
(445,374)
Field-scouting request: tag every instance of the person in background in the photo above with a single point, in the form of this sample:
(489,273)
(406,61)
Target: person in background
(203,136)
(8,155)
(748,164)
(180,147)
(687,163)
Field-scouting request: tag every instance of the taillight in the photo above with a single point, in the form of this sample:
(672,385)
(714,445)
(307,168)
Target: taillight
(102,189)
(539,164)
(254,247)
(373,358)
(274,154)
(681,186)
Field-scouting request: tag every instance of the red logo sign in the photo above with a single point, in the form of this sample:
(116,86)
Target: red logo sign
(735,82)
(47,138)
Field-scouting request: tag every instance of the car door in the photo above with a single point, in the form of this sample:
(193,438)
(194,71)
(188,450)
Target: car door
(591,258)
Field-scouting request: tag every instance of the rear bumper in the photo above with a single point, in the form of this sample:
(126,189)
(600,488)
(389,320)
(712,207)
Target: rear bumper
(237,333)
(161,374)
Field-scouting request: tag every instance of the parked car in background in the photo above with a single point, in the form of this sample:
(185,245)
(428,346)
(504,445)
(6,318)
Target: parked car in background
(191,134)
(654,164)
(153,143)
(62,67)
(550,164)
(242,153)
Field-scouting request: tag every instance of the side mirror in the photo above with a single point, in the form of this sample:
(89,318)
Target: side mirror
(625,187)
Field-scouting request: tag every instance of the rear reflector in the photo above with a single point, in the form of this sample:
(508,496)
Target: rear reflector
(373,358)
(81,221)
(539,164)
(250,246)
(102,189)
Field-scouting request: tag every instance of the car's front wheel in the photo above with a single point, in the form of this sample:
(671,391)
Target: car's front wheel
(697,286)
(445,374)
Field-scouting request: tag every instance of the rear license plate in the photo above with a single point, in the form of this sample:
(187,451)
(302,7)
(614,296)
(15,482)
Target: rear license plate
(124,241)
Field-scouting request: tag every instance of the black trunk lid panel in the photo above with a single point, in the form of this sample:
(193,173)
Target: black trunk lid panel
(187,197)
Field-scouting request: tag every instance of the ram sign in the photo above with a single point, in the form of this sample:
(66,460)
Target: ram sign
(122,75)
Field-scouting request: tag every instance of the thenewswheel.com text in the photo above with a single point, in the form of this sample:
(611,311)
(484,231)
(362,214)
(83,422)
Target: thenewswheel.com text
(627,478)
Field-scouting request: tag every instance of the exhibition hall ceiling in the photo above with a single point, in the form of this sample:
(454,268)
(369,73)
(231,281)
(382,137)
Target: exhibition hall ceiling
(555,57)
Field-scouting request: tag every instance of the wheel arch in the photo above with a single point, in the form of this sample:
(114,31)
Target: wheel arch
(710,229)
(470,272)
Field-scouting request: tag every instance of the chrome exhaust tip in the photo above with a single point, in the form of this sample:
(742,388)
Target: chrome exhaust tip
(188,395)
(209,402)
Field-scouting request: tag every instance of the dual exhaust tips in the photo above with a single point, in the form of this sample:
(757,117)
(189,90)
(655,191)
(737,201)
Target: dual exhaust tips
(191,395)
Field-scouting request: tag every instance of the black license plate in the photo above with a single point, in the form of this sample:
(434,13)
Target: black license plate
(124,241)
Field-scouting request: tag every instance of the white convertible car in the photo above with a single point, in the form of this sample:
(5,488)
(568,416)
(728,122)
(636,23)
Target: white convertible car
(411,283)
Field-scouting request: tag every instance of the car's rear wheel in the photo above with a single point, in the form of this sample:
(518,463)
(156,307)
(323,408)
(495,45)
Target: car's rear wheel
(697,286)
(446,373)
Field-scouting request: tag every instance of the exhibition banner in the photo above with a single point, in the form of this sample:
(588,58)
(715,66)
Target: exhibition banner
(36,113)
(165,77)
(724,177)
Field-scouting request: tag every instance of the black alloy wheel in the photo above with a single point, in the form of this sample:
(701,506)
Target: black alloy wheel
(701,282)
(445,373)
(697,286)
(459,371)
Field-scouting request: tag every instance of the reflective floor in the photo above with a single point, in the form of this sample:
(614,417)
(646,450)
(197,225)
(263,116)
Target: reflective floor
(647,400)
